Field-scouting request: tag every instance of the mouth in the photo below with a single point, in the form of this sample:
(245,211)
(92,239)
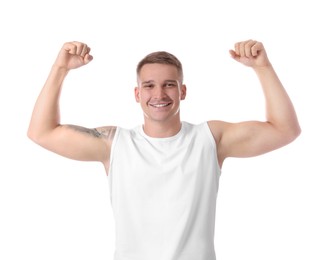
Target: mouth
(160,105)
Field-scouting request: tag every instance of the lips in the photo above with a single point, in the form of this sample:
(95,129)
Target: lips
(160,105)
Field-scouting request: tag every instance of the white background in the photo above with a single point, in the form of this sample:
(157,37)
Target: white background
(269,207)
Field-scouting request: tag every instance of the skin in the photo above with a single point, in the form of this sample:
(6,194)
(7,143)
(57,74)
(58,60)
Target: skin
(159,92)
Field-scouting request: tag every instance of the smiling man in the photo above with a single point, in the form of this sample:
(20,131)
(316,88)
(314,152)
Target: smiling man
(163,174)
(159,92)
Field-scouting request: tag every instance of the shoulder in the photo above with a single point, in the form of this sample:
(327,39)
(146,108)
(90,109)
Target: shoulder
(106,132)
(114,133)
(212,129)
(217,129)
(194,126)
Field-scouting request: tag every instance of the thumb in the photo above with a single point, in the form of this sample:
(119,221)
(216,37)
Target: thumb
(234,55)
(87,58)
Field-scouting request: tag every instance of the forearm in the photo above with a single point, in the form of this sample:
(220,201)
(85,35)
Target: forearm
(279,108)
(46,113)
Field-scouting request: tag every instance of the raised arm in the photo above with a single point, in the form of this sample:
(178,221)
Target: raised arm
(253,138)
(74,142)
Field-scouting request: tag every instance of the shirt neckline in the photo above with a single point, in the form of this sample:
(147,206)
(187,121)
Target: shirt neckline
(162,139)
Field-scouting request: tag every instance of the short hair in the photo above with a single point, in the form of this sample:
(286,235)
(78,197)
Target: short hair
(161,57)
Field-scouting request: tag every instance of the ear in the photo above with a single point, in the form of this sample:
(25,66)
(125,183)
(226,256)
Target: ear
(137,94)
(183,92)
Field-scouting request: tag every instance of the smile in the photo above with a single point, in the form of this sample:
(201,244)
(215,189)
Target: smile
(160,105)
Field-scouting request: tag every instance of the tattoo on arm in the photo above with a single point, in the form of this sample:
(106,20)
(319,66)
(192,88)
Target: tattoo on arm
(105,132)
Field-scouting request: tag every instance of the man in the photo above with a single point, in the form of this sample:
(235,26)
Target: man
(163,175)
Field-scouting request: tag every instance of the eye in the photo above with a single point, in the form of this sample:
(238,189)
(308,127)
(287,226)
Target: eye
(170,84)
(148,86)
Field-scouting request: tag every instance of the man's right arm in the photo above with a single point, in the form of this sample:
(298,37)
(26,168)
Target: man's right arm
(75,142)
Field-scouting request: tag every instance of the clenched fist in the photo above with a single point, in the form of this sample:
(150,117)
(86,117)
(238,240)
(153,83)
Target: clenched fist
(73,55)
(250,53)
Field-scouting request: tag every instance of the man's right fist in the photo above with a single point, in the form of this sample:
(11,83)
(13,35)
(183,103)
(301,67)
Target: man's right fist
(73,55)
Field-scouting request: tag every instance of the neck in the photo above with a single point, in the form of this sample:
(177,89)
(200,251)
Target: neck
(160,129)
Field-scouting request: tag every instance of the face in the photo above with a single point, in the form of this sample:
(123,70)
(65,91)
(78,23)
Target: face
(159,92)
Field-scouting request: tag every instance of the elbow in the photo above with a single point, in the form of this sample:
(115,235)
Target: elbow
(287,134)
(40,136)
(293,133)
(32,135)
(35,135)
(298,132)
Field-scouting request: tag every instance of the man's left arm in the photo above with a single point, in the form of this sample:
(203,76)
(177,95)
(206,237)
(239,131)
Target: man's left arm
(251,138)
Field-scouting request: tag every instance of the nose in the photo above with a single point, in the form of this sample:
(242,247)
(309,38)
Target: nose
(159,92)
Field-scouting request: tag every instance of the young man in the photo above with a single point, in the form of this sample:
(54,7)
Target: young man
(163,175)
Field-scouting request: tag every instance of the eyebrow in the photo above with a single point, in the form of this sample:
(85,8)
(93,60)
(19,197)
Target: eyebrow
(147,82)
(166,81)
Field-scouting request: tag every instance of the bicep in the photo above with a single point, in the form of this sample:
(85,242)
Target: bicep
(79,143)
(247,139)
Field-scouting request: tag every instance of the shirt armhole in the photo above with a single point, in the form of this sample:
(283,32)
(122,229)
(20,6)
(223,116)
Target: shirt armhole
(112,148)
(212,140)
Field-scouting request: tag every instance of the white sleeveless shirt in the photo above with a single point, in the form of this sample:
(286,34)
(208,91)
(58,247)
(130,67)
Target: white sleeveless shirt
(163,194)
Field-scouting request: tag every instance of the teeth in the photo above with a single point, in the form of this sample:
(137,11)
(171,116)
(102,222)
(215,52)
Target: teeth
(160,105)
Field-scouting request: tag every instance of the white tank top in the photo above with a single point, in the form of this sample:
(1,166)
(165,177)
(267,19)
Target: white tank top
(163,194)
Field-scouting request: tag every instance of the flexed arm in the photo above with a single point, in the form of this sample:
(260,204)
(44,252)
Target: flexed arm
(74,142)
(252,138)
(280,112)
